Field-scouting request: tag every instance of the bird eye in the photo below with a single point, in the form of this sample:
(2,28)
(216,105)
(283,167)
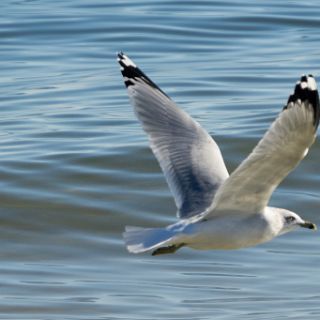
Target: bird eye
(290,219)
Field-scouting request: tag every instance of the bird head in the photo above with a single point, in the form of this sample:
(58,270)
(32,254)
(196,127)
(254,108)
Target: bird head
(292,221)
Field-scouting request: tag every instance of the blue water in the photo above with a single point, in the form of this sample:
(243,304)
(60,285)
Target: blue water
(75,165)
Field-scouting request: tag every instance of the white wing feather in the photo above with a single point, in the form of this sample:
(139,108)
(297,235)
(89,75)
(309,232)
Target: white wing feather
(190,159)
(249,187)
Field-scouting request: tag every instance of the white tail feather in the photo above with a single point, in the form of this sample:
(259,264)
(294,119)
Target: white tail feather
(140,239)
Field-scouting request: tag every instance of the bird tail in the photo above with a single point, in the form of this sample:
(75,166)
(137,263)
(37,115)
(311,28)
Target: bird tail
(139,240)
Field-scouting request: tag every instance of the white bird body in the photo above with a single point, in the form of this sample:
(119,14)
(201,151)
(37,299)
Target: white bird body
(232,231)
(219,211)
(223,232)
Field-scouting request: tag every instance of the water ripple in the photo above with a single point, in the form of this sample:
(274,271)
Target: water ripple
(75,165)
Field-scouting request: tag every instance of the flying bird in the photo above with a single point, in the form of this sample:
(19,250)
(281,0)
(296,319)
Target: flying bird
(217,210)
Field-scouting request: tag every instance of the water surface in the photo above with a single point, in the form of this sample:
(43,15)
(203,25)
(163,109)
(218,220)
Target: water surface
(75,165)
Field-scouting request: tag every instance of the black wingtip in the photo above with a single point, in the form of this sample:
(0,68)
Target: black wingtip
(128,69)
(131,73)
(120,55)
(306,91)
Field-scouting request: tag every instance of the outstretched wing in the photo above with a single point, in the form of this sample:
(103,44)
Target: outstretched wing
(249,187)
(190,159)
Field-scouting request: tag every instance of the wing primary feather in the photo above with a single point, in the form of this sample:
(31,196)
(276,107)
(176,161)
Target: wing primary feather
(131,71)
(306,91)
(188,156)
(285,144)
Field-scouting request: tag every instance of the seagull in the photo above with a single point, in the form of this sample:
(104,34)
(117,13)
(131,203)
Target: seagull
(217,210)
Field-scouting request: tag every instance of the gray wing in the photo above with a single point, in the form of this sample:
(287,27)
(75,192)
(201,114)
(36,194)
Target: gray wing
(286,143)
(190,159)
